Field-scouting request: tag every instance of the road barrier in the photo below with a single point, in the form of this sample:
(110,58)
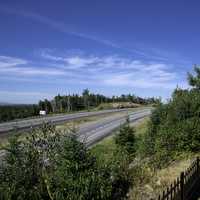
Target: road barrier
(184,186)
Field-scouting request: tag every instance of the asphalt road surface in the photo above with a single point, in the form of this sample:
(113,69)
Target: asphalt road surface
(56,119)
(95,132)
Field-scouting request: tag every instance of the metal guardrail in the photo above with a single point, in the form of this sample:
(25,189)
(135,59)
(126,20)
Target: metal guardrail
(184,186)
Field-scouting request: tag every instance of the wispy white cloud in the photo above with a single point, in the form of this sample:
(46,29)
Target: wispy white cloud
(75,70)
(31,71)
(25,93)
(110,70)
(121,71)
(20,66)
(140,81)
(6,61)
(45,54)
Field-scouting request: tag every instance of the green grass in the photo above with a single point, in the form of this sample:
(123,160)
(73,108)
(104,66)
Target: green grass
(105,149)
(148,183)
(141,127)
(4,140)
(3,144)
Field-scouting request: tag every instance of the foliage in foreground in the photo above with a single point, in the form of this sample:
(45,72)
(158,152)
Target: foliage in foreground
(125,139)
(51,166)
(174,127)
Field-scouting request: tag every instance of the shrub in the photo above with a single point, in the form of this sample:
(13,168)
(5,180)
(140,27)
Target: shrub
(77,174)
(174,127)
(121,175)
(125,139)
(48,165)
(24,166)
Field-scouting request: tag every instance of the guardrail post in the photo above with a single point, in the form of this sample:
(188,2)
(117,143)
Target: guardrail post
(182,185)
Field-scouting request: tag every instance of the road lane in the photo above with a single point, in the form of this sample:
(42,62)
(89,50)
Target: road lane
(57,119)
(92,133)
(99,131)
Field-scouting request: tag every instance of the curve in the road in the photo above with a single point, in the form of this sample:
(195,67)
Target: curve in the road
(95,133)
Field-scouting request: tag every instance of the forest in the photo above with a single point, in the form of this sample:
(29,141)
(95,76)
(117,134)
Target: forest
(67,103)
(11,112)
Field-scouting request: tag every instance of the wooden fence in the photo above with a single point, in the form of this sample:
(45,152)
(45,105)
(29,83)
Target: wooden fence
(184,186)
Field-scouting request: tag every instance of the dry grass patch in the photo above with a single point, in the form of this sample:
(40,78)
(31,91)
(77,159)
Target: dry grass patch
(149,184)
(116,105)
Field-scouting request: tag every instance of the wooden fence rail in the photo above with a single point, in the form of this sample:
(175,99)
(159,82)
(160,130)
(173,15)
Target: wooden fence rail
(183,186)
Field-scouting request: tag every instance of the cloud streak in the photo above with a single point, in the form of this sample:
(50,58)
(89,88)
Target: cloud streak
(57,25)
(11,65)
(6,61)
(123,71)
(74,70)
(113,70)
(148,53)
(106,70)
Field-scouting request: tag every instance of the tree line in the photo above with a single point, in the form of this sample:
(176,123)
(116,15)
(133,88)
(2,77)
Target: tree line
(11,112)
(87,101)
(67,103)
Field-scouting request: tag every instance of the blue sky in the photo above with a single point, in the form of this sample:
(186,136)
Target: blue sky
(108,46)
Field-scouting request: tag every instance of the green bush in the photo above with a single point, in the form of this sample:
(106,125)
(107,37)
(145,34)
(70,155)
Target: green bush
(125,139)
(77,174)
(22,172)
(121,175)
(48,165)
(174,127)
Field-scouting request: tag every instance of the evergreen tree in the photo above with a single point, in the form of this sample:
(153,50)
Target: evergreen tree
(193,80)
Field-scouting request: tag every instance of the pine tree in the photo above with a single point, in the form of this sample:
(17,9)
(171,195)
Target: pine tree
(193,80)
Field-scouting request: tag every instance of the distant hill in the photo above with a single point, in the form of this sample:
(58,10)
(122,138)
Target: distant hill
(5,104)
(14,104)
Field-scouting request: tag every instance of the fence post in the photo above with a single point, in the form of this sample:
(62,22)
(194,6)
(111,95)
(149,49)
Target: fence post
(182,185)
(197,166)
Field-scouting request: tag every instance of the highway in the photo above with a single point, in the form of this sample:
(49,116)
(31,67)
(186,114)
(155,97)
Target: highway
(92,133)
(55,119)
